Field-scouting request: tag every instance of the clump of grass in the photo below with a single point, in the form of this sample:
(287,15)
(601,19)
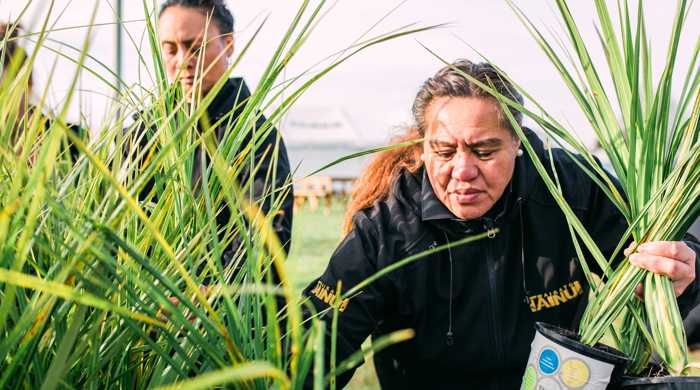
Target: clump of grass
(90,263)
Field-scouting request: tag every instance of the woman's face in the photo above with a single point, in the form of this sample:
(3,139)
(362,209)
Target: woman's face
(468,155)
(181,31)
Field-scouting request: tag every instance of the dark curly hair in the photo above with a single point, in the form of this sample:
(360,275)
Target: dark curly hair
(450,82)
(220,13)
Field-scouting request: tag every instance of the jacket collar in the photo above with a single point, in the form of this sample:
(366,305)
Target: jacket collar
(231,98)
(431,207)
(525,175)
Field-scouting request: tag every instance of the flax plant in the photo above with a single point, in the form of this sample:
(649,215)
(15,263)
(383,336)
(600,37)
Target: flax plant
(655,154)
(654,150)
(103,285)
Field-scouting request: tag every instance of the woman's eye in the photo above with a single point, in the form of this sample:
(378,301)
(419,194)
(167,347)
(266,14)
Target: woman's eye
(444,153)
(483,153)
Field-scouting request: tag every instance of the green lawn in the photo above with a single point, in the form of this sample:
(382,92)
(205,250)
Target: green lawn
(315,236)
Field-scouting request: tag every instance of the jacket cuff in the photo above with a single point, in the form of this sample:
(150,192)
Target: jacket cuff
(691,296)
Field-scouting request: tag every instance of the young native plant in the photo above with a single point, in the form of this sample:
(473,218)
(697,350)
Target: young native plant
(101,282)
(653,147)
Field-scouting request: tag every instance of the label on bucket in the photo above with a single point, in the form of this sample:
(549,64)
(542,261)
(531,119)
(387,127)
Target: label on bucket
(554,367)
(548,361)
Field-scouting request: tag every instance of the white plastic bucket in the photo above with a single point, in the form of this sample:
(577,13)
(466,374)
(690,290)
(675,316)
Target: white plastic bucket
(558,362)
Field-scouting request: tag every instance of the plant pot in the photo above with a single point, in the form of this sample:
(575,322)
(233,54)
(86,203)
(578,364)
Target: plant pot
(661,383)
(558,361)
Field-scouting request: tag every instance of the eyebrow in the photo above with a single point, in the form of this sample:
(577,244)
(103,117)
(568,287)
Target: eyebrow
(436,143)
(187,43)
(486,143)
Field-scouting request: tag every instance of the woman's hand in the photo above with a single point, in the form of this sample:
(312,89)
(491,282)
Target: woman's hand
(674,259)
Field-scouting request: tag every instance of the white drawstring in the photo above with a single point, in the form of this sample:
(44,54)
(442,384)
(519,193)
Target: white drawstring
(449,334)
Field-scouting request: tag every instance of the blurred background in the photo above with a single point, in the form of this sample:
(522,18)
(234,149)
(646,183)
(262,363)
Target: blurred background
(361,103)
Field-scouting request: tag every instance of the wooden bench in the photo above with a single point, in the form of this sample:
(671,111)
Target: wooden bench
(314,189)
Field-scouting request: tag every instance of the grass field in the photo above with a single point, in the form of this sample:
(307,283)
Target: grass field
(315,235)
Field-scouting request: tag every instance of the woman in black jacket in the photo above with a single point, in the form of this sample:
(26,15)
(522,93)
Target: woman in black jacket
(473,306)
(196,41)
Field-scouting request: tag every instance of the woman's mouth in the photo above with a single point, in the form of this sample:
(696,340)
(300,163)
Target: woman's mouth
(467,196)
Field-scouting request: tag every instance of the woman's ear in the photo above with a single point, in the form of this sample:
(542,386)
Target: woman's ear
(229,41)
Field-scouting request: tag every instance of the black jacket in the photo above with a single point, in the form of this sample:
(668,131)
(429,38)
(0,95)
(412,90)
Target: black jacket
(232,97)
(692,320)
(472,307)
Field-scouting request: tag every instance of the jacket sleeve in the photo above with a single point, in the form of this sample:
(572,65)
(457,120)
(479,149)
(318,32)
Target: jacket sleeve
(354,260)
(271,180)
(691,296)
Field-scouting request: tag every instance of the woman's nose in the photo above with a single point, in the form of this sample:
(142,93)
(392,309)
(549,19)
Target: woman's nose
(465,169)
(184,60)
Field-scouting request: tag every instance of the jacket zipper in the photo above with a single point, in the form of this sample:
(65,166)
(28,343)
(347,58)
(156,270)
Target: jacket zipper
(449,336)
(491,261)
(526,291)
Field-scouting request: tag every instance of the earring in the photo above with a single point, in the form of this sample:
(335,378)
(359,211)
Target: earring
(422,157)
(519,153)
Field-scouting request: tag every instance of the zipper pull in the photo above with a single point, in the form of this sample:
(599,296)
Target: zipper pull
(450,340)
(488,226)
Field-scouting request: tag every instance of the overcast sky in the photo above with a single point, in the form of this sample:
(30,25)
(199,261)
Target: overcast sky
(376,87)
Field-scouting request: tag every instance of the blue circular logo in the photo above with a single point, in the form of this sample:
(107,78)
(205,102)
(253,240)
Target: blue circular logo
(549,361)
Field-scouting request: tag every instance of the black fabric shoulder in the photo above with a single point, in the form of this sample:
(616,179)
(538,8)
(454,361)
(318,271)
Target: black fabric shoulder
(394,223)
(575,182)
